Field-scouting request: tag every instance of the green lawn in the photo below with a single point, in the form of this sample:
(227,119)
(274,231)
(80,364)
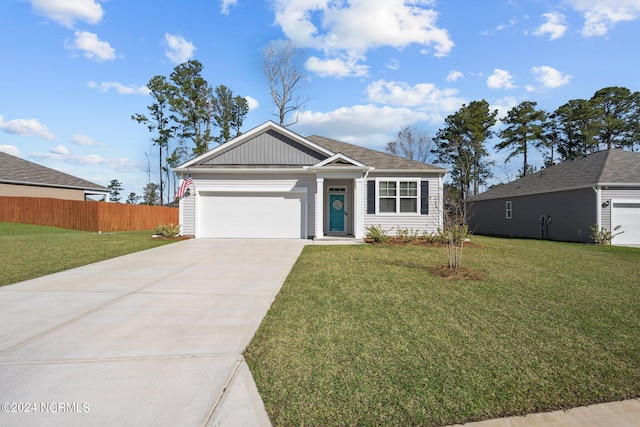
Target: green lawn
(366,335)
(28,251)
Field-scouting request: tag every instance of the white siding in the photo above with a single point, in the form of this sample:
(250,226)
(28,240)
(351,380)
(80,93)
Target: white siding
(423,223)
(255,182)
(620,194)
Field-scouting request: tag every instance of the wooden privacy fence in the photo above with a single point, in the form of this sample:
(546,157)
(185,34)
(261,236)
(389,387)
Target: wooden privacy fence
(86,216)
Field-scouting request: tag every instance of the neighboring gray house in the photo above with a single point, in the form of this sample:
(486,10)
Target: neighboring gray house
(22,178)
(273,183)
(564,201)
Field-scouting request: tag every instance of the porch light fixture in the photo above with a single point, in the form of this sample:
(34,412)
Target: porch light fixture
(606,204)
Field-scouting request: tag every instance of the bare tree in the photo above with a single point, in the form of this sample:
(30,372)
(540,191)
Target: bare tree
(413,145)
(282,68)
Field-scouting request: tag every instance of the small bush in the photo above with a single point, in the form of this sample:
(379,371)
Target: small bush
(169,230)
(603,236)
(377,234)
(407,234)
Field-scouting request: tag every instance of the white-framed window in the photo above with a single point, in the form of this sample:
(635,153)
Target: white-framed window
(508,210)
(398,196)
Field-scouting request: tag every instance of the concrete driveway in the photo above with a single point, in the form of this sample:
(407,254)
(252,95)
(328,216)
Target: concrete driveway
(151,338)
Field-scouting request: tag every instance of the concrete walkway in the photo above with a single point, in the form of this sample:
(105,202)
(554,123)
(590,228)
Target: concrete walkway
(152,338)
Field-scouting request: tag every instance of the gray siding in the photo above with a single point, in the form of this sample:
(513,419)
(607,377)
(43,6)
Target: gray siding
(269,148)
(428,223)
(572,215)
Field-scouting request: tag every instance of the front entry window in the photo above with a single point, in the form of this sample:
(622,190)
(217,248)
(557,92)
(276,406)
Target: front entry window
(398,196)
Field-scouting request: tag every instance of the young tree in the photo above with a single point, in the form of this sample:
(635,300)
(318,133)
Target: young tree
(192,102)
(115,188)
(229,114)
(159,121)
(524,126)
(282,67)
(413,145)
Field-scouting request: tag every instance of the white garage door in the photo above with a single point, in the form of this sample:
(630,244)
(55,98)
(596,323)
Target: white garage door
(627,215)
(250,215)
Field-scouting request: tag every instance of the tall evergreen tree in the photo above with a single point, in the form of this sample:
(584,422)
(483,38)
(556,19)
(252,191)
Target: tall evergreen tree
(575,122)
(115,188)
(192,103)
(524,126)
(461,144)
(159,121)
(613,111)
(229,114)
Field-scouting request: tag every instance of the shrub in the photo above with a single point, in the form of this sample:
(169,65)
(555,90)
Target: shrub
(169,230)
(377,234)
(454,235)
(603,236)
(407,234)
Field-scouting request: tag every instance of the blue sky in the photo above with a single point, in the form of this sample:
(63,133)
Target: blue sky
(75,71)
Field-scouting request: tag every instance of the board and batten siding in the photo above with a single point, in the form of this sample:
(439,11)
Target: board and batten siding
(422,223)
(270,148)
(572,214)
(230,182)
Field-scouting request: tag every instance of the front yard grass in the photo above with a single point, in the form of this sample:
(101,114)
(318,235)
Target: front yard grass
(29,251)
(366,335)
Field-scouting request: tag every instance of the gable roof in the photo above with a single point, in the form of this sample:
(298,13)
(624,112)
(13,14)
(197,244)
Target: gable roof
(272,146)
(14,170)
(609,167)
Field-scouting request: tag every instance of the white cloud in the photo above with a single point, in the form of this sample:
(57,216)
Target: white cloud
(422,96)
(11,149)
(500,79)
(119,88)
(84,141)
(225,4)
(354,124)
(60,149)
(67,12)
(253,103)
(601,15)
(61,154)
(503,106)
(26,127)
(92,47)
(336,67)
(393,64)
(555,26)
(454,76)
(179,50)
(550,77)
(349,29)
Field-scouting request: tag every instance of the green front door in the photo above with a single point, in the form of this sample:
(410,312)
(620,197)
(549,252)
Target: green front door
(336,213)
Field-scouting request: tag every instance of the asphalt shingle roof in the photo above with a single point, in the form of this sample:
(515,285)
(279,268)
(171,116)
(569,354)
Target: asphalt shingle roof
(369,157)
(604,167)
(14,170)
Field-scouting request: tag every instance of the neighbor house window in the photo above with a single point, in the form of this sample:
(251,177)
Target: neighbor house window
(508,210)
(398,196)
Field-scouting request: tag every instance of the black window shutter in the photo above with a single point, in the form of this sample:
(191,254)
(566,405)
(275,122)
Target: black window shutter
(424,197)
(371,197)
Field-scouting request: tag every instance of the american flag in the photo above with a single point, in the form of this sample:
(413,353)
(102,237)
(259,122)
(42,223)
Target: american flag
(183,187)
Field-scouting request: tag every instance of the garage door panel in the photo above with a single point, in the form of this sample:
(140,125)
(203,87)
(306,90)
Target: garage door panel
(627,215)
(250,215)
